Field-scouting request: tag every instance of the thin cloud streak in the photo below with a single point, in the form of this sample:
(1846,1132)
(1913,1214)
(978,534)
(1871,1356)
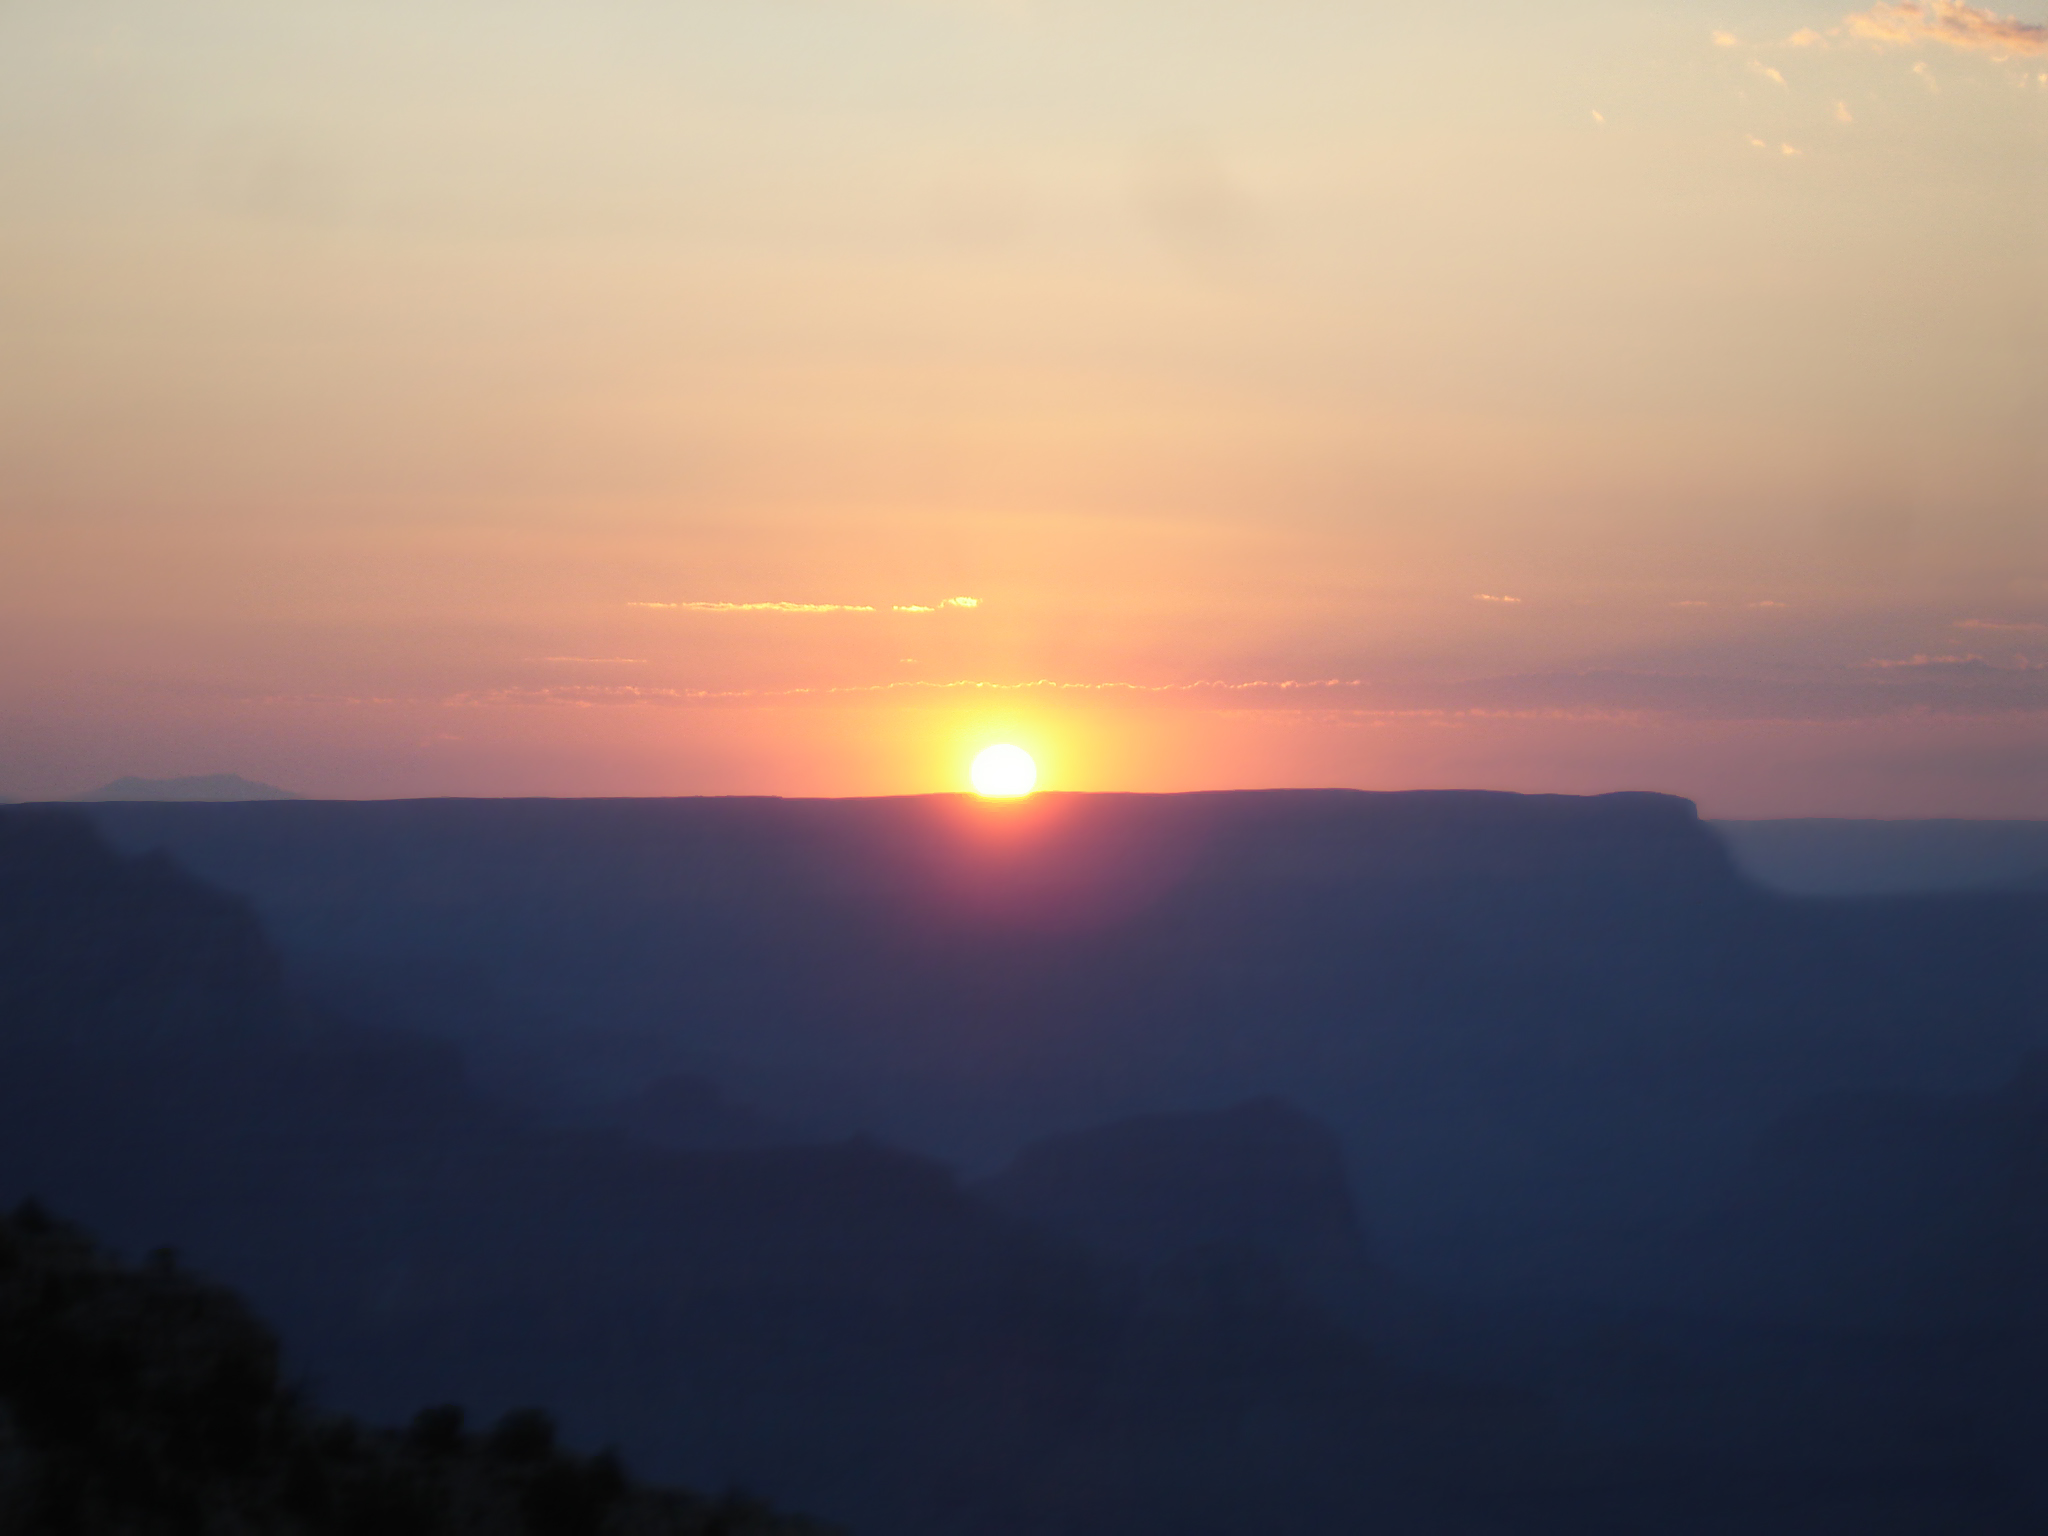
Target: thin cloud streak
(762,607)
(721,607)
(1880,688)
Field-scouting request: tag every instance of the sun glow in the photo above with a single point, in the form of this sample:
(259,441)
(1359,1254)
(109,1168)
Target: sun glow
(1003,772)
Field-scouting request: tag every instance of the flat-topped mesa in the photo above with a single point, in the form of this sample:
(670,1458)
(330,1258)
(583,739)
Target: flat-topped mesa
(951,855)
(197,787)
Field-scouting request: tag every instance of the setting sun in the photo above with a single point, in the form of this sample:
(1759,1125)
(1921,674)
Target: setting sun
(1003,772)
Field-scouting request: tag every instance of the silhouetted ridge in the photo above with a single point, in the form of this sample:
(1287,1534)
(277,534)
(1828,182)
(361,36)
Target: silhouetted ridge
(99,952)
(1536,1024)
(1133,1331)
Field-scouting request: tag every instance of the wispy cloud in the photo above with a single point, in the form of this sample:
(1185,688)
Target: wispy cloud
(600,661)
(762,607)
(1489,597)
(2018,627)
(710,607)
(1766,603)
(1930,684)
(1727,40)
(1758,67)
(1911,23)
(589,694)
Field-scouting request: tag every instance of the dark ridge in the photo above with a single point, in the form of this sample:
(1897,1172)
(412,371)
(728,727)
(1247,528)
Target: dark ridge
(1538,1025)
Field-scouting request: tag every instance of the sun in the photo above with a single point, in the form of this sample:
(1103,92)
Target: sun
(1003,772)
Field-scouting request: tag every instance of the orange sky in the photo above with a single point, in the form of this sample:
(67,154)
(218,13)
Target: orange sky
(1306,393)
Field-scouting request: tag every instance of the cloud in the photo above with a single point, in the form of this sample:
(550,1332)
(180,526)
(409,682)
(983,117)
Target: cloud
(951,602)
(2018,627)
(1910,23)
(600,661)
(1689,602)
(701,607)
(1766,603)
(1930,685)
(762,607)
(1758,67)
(1488,597)
(1727,40)
(1843,114)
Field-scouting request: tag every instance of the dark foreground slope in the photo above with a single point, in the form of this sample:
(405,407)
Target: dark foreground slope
(148,1402)
(1538,1024)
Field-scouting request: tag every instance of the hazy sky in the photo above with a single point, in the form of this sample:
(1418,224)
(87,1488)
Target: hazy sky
(413,398)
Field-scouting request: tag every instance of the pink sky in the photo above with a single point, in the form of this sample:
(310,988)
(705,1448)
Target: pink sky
(442,400)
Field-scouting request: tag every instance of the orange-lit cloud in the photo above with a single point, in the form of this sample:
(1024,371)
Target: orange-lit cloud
(1489,597)
(2021,627)
(1910,23)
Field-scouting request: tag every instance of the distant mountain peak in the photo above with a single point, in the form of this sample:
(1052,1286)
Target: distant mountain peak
(198,786)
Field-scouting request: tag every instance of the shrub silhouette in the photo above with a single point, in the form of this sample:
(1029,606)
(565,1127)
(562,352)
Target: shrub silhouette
(148,1402)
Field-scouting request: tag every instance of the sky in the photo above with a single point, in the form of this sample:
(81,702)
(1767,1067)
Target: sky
(794,396)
